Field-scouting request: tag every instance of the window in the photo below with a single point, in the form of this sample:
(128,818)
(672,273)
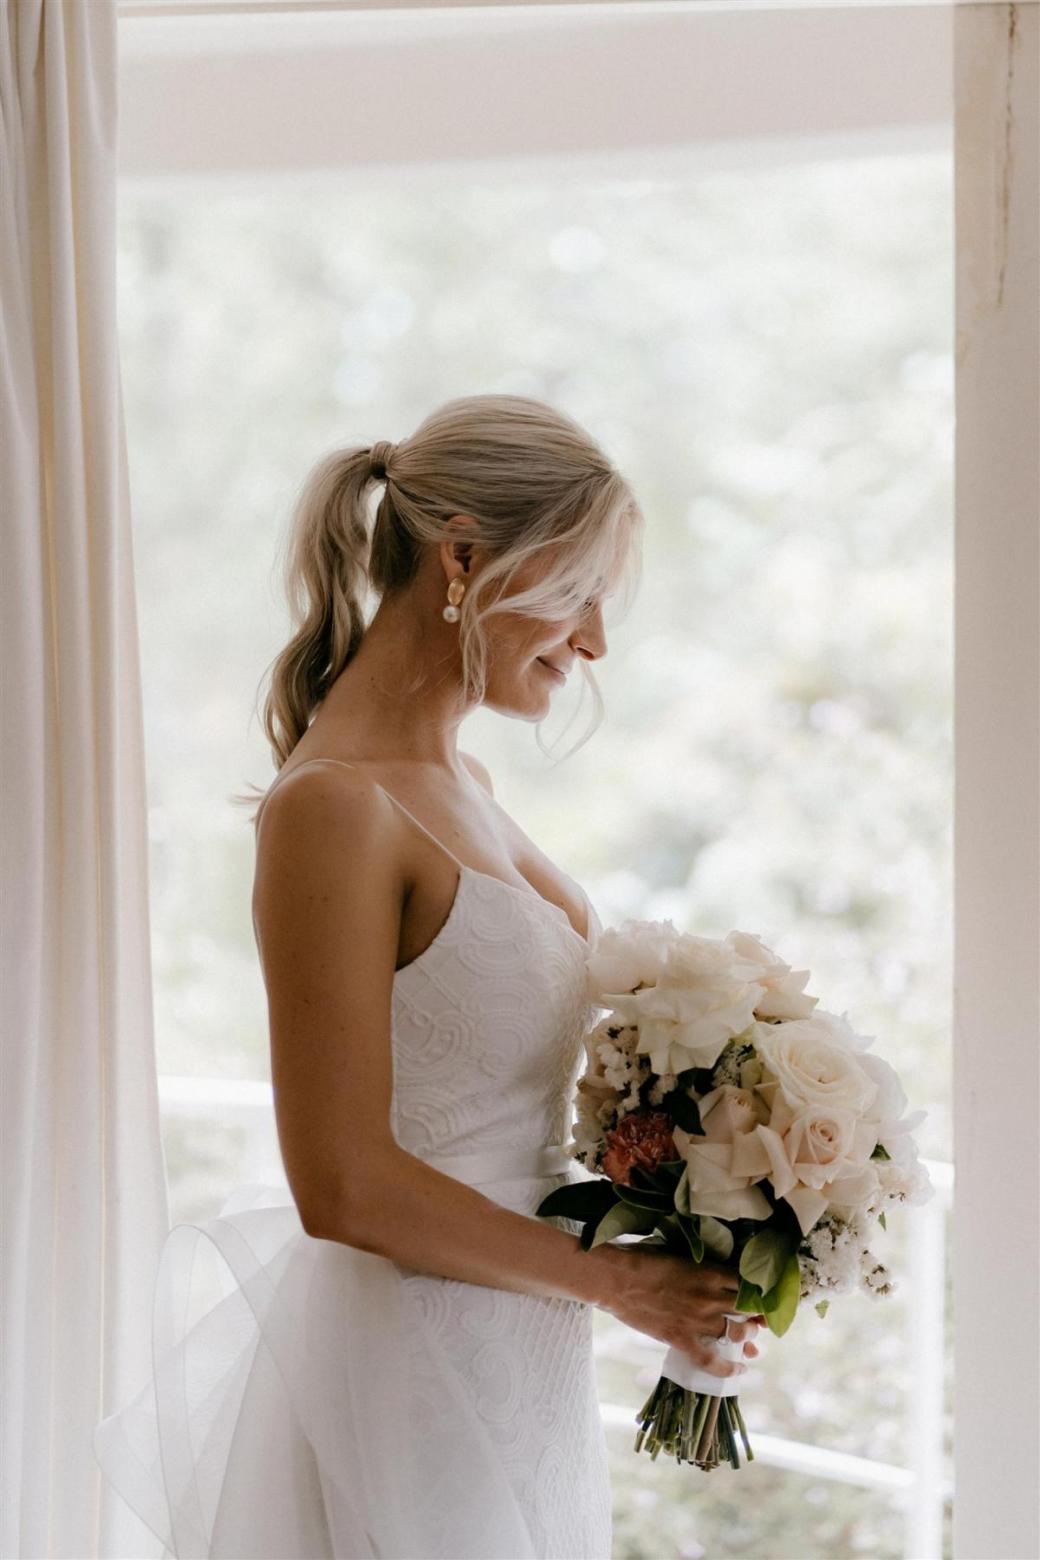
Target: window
(762,337)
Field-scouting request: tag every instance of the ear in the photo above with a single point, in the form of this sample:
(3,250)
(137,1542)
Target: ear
(457,548)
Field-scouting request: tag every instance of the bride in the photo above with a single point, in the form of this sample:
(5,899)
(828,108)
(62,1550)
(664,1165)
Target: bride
(391,1356)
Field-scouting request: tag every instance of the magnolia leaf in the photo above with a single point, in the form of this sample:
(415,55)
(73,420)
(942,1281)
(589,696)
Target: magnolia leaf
(689,1229)
(622,1219)
(682,1192)
(672,1230)
(882,1220)
(880,1152)
(683,1111)
(662,1179)
(579,1200)
(781,1302)
(641,1198)
(763,1258)
(821,1307)
(749,1299)
(716,1236)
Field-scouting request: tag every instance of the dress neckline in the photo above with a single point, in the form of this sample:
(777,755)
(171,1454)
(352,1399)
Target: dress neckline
(462,866)
(511,888)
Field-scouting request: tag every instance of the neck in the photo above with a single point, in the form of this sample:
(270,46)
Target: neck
(399,698)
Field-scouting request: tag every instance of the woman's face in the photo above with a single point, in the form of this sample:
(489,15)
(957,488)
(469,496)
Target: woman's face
(530,658)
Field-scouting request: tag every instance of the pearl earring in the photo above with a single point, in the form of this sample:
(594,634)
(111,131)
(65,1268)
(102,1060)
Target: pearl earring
(456,590)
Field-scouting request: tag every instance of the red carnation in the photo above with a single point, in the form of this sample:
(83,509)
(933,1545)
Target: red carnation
(641,1138)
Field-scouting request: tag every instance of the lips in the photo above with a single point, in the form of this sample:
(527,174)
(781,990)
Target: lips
(554,669)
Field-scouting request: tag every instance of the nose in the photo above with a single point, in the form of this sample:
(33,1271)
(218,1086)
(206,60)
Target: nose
(589,638)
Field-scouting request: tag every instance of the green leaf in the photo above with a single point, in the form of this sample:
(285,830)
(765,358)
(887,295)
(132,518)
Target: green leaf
(673,1233)
(716,1236)
(764,1257)
(663,1179)
(701,1078)
(622,1219)
(579,1200)
(681,1196)
(781,1302)
(821,1307)
(882,1220)
(683,1111)
(640,1198)
(694,1241)
(654,1181)
(880,1152)
(749,1299)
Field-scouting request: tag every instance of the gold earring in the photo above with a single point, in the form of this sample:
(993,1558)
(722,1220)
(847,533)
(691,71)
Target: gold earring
(456,591)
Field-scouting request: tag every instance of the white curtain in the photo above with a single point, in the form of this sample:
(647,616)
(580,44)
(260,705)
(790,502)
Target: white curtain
(84,1192)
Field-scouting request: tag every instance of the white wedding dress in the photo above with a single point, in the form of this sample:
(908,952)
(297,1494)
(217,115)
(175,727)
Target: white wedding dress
(312,1399)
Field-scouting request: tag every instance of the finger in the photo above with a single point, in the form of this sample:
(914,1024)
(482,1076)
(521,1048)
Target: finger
(720,1367)
(751,1350)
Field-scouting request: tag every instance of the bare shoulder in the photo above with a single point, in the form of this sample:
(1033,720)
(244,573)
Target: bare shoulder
(324,828)
(320,796)
(478,771)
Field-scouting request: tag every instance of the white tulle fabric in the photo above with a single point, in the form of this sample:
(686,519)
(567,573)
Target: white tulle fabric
(312,1399)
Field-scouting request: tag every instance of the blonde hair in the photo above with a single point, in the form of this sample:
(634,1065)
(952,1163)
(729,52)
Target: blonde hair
(535,483)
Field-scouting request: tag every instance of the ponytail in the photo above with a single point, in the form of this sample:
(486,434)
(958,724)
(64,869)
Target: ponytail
(326,582)
(539,489)
(326,577)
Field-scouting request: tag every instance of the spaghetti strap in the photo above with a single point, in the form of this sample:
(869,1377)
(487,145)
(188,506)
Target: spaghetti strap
(344,765)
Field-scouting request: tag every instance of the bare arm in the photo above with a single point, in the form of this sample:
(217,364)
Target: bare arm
(330,885)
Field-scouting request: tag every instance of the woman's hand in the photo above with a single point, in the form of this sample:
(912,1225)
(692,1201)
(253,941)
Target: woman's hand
(679,1302)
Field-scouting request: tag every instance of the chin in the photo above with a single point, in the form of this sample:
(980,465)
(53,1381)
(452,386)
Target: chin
(517,711)
(519,703)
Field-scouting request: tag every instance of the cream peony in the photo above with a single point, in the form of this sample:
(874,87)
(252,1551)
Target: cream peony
(630,955)
(686,1025)
(687,1017)
(785,995)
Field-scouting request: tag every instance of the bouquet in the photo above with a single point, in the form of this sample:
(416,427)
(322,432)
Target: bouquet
(728,1116)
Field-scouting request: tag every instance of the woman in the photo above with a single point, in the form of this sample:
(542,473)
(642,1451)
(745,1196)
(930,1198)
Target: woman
(402,1365)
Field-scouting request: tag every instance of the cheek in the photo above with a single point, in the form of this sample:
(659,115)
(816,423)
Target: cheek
(517,641)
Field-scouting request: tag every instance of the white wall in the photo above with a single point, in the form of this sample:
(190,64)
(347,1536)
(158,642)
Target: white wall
(996,833)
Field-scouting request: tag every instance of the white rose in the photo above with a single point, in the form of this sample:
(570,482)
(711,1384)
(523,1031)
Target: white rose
(785,995)
(889,1107)
(815,1157)
(714,1188)
(840,1031)
(802,1060)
